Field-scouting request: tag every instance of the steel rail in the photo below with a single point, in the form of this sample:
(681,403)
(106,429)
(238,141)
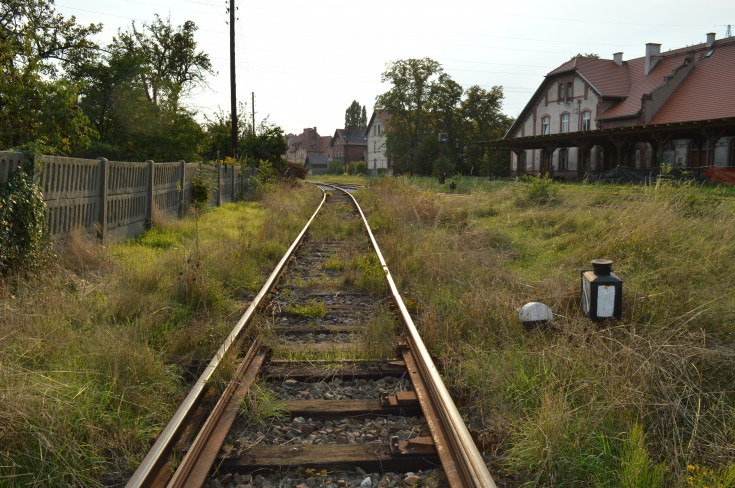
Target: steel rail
(145,474)
(471,466)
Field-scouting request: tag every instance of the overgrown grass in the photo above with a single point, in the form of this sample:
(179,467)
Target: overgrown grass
(616,404)
(97,350)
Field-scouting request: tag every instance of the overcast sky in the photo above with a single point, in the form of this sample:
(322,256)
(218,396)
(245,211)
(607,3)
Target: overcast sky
(307,60)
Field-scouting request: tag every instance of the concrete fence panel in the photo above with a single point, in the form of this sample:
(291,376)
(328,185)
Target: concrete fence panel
(166,190)
(118,200)
(8,162)
(127,199)
(71,188)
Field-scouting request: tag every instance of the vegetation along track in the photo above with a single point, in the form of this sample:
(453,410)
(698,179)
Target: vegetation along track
(336,388)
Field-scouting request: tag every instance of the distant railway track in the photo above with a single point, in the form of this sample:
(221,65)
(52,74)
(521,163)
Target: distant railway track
(308,398)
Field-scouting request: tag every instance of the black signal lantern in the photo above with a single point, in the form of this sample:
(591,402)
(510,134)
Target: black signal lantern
(602,291)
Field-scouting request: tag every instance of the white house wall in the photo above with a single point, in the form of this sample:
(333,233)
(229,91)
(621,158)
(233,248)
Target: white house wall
(376,158)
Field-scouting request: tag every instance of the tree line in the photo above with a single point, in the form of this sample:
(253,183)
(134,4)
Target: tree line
(62,93)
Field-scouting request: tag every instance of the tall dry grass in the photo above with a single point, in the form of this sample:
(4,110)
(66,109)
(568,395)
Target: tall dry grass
(566,403)
(98,348)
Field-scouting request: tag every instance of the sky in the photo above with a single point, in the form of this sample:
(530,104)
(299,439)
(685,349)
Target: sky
(306,61)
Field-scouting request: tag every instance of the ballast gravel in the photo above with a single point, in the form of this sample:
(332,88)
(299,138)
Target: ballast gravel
(310,478)
(338,388)
(300,430)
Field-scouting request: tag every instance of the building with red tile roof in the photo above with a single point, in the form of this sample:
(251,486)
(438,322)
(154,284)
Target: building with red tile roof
(593,114)
(304,144)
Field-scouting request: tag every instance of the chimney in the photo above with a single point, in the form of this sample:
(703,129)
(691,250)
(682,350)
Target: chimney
(710,39)
(618,58)
(653,55)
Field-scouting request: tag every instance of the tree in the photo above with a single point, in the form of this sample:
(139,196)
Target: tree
(406,101)
(134,93)
(355,116)
(171,65)
(218,136)
(481,110)
(39,106)
(587,55)
(266,144)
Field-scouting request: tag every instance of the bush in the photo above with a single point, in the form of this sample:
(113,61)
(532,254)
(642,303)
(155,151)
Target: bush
(537,190)
(357,168)
(23,229)
(202,185)
(335,168)
(267,177)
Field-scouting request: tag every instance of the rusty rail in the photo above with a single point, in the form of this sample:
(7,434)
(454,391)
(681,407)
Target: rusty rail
(148,471)
(461,459)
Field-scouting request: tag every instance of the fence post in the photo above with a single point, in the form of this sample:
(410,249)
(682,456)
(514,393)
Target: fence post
(103,198)
(182,182)
(151,192)
(219,183)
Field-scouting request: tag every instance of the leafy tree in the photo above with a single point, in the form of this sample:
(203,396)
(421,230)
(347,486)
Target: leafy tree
(134,94)
(481,110)
(267,144)
(171,65)
(217,128)
(355,116)
(586,55)
(407,102)
(39,106)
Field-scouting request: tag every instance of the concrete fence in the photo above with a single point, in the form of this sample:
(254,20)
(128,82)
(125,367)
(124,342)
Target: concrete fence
(116,200)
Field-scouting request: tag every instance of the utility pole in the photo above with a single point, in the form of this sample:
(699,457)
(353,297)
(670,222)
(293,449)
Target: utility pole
(233,85)
(253,93)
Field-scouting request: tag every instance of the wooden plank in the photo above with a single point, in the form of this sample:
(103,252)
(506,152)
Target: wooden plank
(370,457)
(308,371)
(329,408)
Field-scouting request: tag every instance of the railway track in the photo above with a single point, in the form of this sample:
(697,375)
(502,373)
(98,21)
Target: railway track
(335,388)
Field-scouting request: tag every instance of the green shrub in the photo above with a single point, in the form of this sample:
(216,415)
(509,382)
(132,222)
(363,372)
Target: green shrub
(23,228)
(357,168)
(335,168)
(537,190)
(267,177)
(202,185)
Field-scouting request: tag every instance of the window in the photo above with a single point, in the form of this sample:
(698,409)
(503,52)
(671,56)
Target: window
(522,162)
(563,159)
(569,90)
(375,146)
(586,116)
(545,122)
(561,91)
(380,129)
(732,151)
(565,123)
